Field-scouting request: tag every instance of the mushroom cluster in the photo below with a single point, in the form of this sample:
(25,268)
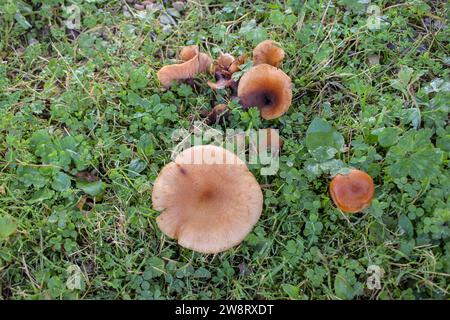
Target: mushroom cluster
(264,85)
(209,198)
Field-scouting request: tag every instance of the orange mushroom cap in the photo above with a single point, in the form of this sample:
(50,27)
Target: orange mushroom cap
(235,66)
(268,88)
(268,52)
(352,192)
(211,201)
(195,62)
(219,112)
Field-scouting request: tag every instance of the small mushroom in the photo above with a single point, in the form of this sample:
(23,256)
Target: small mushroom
(352,192)
(219,112)
(267,88)
(222,73)
(210,200)
(224,61)
(194,62)
(234,67)
(268,52)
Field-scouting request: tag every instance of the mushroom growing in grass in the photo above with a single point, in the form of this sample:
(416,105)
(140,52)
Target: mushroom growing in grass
(194,62)
(352,192)
(268,88)
(210,200)
(268,52)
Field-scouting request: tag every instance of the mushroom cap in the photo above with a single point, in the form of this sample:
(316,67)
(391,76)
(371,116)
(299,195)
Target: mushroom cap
(352,192)
(268,88)
(210,199)
(224,61)
(268,52)
(235,66)
(194,62)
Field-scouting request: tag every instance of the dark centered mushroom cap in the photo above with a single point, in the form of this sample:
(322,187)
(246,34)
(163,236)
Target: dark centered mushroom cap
(210,200)
(268,88)
(352,192)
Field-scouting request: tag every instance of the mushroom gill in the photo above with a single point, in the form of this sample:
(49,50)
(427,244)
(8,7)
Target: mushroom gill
(267,88)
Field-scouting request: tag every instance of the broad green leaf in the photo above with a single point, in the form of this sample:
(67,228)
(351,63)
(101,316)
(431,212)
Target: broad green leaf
(322,140)
(202,273)
(414,156)
(252,32)
(92,188)
(387,136)
(7,226)
(342,287)
(291,291)
(276,17)
(405,224)
(61,182)
(136,167)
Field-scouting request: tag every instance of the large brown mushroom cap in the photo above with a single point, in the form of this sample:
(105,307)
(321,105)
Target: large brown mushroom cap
(352,192)
(268,52)
(210,199)
(194,62)
(267,88)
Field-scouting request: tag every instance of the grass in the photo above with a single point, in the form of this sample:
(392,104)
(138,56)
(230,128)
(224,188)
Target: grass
(86,127)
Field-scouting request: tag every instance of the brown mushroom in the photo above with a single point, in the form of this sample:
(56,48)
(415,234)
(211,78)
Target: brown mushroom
(235,66)
(267,88)
(194,62)
(222,71)
(268,52)
(352,192)
(210,200)
(219,112)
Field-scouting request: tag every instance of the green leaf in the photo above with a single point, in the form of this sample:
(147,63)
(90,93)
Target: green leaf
(156,265)
(61,182)
(291,291)
(276,17)
(202,273)
(322,140)
(92,188)
(145,145)
(252,32)
(138,79)
(22,21)
(136,167)
(7,226)
(405,75)
(414,156)
(405,224)
(387,136)
(342,287)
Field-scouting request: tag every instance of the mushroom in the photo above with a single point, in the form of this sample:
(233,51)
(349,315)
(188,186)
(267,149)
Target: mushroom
(210,200)
(267,88)
(219,112)
(268,52)
(194,62)
(224,67)
(234,67)
(352,192)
